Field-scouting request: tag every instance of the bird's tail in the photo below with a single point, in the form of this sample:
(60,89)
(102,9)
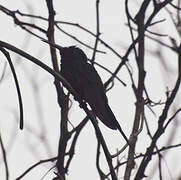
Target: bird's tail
(111,122)
(105,114)
(109,119)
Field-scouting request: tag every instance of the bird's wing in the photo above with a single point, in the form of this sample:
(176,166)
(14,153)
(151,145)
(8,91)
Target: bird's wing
(94,79)
(92,76)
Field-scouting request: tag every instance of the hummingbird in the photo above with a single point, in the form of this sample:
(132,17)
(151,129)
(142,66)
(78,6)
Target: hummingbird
(85,80)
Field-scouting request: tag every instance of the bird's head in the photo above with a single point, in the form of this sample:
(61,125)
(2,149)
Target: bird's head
(69,53)
(73,53)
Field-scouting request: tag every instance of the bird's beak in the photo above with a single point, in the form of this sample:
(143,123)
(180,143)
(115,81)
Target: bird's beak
(53,44)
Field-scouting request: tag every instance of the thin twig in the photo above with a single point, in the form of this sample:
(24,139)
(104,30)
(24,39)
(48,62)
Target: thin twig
(171,118)
(35,165)
(77,131)
(3,73)
(97,32)
(76,39)
(4,158)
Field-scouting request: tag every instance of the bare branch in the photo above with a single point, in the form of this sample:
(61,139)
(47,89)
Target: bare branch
(17,85)
(98,31)
(4,158)
(35,165)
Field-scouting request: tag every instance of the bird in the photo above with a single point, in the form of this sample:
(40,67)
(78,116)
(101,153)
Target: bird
(85,80)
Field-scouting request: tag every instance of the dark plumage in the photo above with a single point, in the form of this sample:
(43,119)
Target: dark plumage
(83,77)
(85,80)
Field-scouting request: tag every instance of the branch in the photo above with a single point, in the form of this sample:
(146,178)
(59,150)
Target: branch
(17,85)
(21,23)
(160,130)
(35,165)
(24,24)
(170,119)
(79,41)
(62,98)
(77,131)
(98,32)
(140,17)
(4,158)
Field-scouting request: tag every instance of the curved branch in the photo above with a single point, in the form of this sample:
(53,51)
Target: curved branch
(16,83)
(35,165)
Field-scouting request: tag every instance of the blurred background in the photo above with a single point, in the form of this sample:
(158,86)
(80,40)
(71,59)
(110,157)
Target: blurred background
(40,137)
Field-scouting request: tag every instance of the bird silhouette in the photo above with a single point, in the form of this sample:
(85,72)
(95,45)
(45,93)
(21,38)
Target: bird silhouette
(85,80)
